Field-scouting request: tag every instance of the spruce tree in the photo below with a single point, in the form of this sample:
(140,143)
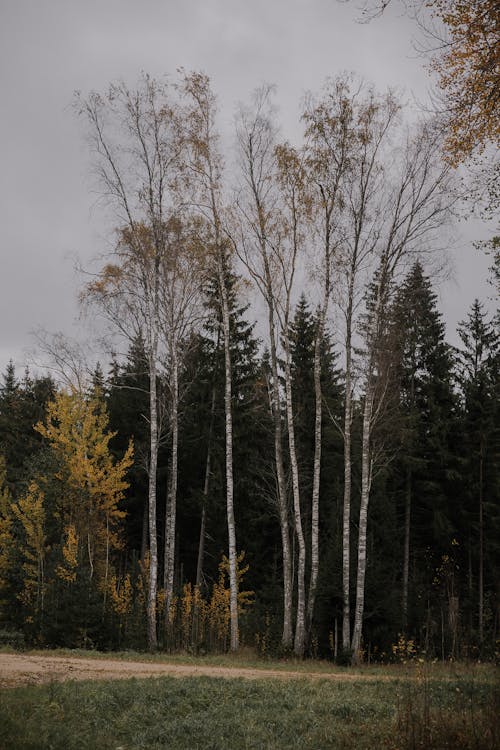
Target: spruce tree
(302,335)
(427,413)
(127,400)
(477,371)
(22,404)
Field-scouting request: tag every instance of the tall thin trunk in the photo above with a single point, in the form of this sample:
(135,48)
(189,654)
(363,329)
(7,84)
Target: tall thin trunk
(317,461)
(233,577)
(153,541)
(366,471)
(266,285)
(346,520)
(406,553)
(206,485)
(208,167)
(300,631)
(171,507)
(287,636)
(201,540)
(318,397)
(145,530)
(106,572)
(481,544)
(408,503)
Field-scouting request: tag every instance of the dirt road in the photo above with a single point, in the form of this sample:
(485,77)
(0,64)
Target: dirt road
(30,669)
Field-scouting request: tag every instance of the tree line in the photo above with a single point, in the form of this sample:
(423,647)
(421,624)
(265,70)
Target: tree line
(342,465)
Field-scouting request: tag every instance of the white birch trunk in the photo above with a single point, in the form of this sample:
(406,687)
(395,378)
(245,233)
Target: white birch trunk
(366,464)
(346,520)
(171,507)
(153,542)
(363,520)
(300,629)
(287,636)
(266,284)
(317,461)
(233,577)
(206,484)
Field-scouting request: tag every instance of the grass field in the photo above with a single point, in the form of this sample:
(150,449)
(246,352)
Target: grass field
(449,708)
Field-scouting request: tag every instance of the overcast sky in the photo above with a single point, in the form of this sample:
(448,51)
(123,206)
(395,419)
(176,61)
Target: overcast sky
(50,48)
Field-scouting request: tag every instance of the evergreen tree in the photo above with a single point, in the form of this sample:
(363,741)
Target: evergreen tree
(426,463)
(302,336)
(202,421)
(128,406)
(22,404)
(477,366)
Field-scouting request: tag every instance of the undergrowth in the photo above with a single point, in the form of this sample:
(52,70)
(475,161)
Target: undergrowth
(211,714)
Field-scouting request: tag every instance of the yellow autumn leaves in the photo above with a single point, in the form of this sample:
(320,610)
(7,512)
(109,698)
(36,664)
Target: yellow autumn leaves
(61,544)
(68,520)
(196,622)
(92,483)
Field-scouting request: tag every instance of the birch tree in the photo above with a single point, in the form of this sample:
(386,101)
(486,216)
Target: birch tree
(134,137)
(346,129)
(328,154)
(182,276)
(413,211)
(257,207)
(291,180)
(372,119)
(204,182)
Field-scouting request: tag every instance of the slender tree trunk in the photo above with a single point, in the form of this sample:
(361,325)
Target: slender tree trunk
(153,541)
(201,541)
(346,519)
(328,206)
(269,295)
(300,631)
(408,503)
(363,519)
(206,485)
(287,636)
(171,509)
(481,544)
(384,277)
(406,553)
(145,530)
(317,462)
(233,577)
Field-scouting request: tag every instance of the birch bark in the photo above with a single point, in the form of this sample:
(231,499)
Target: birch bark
(206,167)
(171,505)
(135,138)
(256,143)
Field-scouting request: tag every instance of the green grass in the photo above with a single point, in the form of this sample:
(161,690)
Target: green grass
(211,714)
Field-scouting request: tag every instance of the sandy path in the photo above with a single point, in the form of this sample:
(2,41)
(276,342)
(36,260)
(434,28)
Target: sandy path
(26,669)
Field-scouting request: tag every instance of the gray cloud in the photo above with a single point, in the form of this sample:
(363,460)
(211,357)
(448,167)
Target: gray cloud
(49,49)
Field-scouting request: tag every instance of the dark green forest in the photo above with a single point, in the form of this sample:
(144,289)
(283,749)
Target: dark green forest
(287,454)
(433,521)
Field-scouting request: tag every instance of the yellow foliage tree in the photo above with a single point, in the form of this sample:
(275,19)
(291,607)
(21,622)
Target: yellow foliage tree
(219,613)
(465,54)
(68,570)
(6,537)
(30,512)
(469,73)
(92,482)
